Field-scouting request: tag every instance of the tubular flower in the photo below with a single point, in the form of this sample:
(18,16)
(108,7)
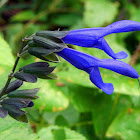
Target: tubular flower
(93,37)
(91,65)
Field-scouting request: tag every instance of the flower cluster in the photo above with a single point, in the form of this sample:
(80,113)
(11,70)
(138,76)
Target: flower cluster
(93,38)
(91,65)
(14,100)
(46,45)
(45,48)
(11,100)
(17,99)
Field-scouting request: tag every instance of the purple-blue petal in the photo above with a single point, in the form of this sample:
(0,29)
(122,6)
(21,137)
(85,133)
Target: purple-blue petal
(76,58)
(103,45)
(31,104)
(96,79)
(91,65)
(118,67)
(123,26)
(88,37)
(83,61)
(84,37)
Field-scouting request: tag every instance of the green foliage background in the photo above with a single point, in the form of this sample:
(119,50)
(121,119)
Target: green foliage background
(72,108)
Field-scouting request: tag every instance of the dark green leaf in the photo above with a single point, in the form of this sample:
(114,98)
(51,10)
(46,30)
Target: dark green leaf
(59,134)
(81,97)
(58,34)
(105,108)
(61,121)
(87,129)
(13,86)
(29,93)
(50,42)
(3,113)
(126,125)
(69,134)
(26,77)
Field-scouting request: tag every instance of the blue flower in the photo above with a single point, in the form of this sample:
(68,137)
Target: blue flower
(93,37)
(91,65)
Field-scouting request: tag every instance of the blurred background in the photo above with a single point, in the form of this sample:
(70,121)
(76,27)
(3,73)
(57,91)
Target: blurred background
(71,107)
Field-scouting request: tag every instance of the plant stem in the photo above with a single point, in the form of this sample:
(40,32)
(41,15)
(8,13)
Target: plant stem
(13,69)
(24,52)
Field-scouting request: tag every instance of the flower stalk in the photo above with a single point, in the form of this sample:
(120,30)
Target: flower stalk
(10,76)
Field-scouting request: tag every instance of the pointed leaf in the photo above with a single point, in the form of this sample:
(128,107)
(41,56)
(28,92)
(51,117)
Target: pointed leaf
(29,93)
(3,113)
(58,34)
(26,77)
(13,86)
